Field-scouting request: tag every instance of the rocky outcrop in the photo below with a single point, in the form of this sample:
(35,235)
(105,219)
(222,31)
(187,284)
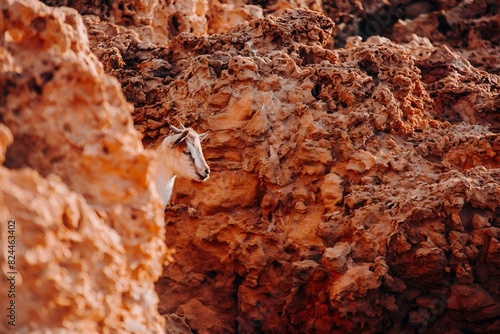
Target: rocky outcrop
(88,239)
(470,27)
(343,189)
(353,189)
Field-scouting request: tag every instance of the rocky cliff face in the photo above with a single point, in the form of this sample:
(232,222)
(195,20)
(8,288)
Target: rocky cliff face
(353,189)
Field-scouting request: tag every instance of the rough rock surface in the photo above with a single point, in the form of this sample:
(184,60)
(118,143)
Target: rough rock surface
(353,189)
(345,185)
(88,241)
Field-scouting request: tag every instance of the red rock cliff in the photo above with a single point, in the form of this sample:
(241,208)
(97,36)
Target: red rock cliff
(355,184)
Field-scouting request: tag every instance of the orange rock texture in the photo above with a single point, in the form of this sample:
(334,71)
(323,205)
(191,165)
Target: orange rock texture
(355,183)
(86,238)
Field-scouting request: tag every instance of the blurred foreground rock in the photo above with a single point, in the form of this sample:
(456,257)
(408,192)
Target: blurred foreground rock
(89,240)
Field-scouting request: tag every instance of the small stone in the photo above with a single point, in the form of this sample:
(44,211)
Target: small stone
(300,207)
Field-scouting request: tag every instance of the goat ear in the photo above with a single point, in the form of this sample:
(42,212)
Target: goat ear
(174,129)
(204,135)
(181,138)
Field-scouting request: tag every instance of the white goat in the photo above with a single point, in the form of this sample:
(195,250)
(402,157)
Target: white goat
(180,154)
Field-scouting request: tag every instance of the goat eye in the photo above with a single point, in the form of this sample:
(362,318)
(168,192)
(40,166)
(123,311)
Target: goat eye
(187,152)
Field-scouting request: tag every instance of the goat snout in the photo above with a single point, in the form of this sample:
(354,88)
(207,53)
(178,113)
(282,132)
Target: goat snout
(204,174)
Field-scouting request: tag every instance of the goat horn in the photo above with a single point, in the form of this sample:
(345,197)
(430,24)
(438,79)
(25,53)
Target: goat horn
(182,126)
(174,129)
(204,135)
